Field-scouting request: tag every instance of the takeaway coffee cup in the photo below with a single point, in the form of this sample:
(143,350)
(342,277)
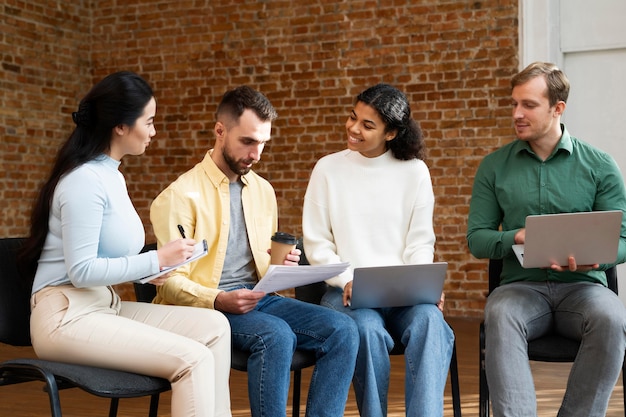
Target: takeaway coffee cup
(282,244)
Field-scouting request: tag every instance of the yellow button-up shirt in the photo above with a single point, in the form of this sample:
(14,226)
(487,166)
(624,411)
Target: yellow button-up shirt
(199,200)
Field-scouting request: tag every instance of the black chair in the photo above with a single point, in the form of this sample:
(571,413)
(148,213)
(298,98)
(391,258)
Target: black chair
(548,348)
(15,331)
(313,293)
(239,358)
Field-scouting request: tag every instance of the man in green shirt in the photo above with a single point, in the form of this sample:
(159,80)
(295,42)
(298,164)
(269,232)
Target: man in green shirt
(546,171)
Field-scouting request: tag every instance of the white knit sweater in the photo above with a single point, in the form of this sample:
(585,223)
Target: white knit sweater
(369,212)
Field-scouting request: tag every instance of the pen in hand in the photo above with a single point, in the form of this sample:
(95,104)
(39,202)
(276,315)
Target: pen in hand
(182,231)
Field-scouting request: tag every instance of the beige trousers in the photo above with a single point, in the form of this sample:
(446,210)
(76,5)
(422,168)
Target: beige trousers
(188,346)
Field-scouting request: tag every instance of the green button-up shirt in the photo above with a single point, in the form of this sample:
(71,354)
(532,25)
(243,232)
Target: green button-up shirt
(513,182)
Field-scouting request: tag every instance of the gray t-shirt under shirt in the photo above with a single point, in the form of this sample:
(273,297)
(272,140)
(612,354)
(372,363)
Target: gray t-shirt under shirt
(239,265)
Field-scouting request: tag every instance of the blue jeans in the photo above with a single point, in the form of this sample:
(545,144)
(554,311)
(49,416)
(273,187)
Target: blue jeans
(428,342)
(272,331)
(522,311)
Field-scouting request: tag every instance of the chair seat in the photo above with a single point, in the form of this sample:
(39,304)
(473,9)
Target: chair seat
(553,348)
(97,381)
(300,360)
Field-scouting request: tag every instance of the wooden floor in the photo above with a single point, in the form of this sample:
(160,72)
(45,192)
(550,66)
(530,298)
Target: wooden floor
(28,400)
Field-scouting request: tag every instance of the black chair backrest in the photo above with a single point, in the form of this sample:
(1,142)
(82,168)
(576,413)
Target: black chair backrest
(311,293)
(145,293)
(495,269)
(149,247)
(14,296)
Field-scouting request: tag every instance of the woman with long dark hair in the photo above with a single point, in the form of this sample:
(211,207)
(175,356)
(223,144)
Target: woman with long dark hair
(372,205)
(86,237)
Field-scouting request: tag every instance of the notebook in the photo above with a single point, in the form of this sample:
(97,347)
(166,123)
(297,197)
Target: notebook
(398,286)
(591,237)
(201,249)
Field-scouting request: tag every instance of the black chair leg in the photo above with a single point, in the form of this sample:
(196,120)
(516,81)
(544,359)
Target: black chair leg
(114,406)
(454,382)
(154,405)
(483,396)
(297,379)
(53,394)
(55,404)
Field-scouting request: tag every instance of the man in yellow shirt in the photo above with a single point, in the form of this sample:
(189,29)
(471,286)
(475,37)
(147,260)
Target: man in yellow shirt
(223,201)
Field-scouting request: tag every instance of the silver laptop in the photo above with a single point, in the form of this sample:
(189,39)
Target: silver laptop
(590,237)
(398,286)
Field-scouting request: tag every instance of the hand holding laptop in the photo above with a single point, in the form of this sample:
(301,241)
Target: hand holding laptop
(563,241)
(520,238)
(573,266)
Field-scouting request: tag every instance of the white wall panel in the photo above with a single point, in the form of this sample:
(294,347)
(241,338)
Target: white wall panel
(592,25)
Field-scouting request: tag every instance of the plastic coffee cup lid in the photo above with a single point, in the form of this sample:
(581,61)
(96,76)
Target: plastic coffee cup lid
(283,237)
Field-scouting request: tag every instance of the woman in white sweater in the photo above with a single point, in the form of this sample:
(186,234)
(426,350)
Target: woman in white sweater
(372,205)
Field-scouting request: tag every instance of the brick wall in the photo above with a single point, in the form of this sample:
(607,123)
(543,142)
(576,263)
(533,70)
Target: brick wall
(453,58)
(43,66)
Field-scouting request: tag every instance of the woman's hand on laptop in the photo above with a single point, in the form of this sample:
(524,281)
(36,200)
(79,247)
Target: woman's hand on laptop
(572,266)
(520,237)
(347,294)
(441,302)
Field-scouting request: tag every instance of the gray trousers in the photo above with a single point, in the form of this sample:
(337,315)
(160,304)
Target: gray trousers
(522,311)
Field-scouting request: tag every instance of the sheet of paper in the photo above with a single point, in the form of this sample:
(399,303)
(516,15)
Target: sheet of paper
(201,249)
(281,277)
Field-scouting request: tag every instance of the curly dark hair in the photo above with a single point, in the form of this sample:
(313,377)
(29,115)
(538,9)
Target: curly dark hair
(395,111)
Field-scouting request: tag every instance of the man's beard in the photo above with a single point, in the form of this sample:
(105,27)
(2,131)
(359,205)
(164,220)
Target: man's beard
(234,165)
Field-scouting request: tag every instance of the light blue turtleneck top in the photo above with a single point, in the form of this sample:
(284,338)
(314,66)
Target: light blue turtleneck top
(95,232)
